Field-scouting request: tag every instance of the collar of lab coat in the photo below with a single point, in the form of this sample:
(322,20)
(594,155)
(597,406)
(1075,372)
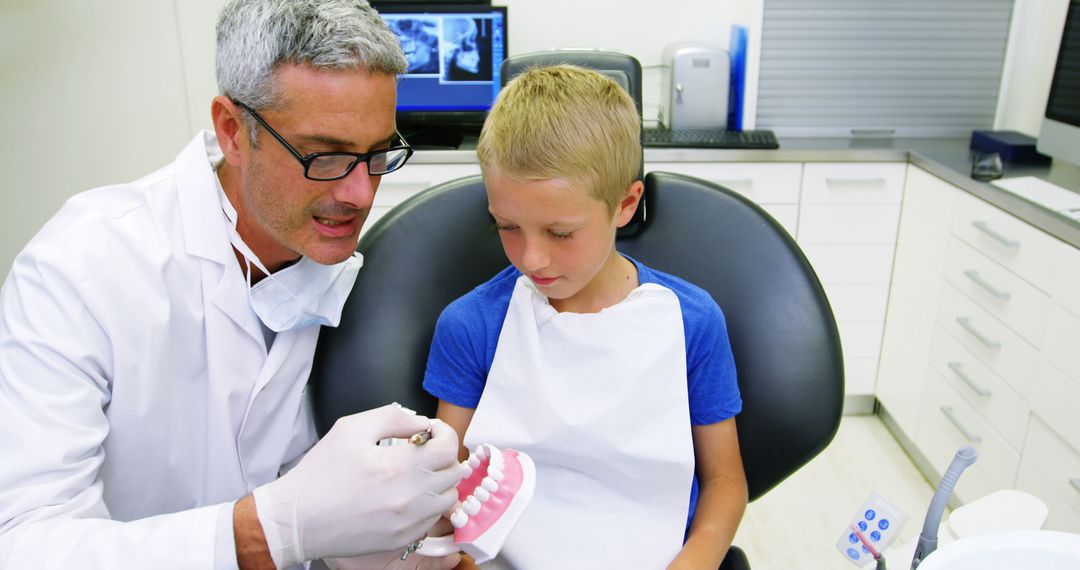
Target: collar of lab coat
(204,224)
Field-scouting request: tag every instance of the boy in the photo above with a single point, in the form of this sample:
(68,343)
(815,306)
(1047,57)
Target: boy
(615,378)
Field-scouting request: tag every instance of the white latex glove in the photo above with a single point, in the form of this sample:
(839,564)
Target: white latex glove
(392,561)
(350,497)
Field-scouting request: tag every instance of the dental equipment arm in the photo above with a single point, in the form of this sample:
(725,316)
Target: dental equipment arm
(928,539)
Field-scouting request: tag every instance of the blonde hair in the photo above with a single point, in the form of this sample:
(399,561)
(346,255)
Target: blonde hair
(568,123)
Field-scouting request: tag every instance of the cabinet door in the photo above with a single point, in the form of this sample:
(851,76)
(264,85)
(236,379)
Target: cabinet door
(773,186)
(913,295)
(848,219)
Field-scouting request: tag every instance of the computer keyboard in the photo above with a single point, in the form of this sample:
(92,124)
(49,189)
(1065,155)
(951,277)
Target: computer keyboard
(708,138)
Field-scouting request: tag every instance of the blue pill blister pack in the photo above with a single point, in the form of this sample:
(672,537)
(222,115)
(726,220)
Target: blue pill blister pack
(872,530)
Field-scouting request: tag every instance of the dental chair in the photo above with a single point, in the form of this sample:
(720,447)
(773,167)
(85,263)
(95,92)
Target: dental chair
(439,244)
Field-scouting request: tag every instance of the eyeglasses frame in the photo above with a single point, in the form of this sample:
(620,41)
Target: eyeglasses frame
(307,160)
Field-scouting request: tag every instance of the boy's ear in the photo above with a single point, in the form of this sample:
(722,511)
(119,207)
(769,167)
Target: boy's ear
(629,204)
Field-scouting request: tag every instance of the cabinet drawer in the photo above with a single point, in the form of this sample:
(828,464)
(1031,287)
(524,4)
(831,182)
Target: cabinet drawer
(860,339)
(865,224)
(1056,400)
(1004,295)
(1066,287)
(763,183)
(1061,517)
(1055,461)
(417,177)
(920,240)
(1022,248)
(786,214)
(988,394)
(851,263)
(1061,343)
(853,183)
(857,301)
(996,345)
(947,423)
(929,195)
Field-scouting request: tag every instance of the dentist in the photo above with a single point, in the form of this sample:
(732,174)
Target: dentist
(156,337)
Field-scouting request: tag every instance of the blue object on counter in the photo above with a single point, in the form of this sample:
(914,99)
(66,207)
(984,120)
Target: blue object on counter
(1011,146)
(737,50)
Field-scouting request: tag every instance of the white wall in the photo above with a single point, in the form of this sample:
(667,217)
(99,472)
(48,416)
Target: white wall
(99,92)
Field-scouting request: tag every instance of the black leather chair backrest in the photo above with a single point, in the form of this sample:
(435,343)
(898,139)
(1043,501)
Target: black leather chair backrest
(439,244)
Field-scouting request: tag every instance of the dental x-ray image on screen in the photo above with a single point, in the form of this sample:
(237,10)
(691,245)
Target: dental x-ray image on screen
(419,38)
(466,49)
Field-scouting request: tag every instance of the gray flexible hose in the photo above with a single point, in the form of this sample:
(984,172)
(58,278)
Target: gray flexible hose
(928,539)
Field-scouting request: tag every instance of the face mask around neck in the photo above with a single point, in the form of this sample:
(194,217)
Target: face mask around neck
(304,294)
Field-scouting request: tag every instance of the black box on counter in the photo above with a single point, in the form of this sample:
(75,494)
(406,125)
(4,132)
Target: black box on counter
(1010,145)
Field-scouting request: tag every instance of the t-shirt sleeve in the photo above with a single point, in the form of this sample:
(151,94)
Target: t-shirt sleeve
(710,367)
(456,367)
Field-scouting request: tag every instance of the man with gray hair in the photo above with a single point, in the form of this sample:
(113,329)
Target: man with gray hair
(156,337)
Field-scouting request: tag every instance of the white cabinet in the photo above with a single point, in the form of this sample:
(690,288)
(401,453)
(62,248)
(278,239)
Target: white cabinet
(773,186)
(997,300)
(916,284)
(848,218)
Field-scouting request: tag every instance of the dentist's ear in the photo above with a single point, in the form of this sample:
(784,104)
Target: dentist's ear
(629,204)
(229,127)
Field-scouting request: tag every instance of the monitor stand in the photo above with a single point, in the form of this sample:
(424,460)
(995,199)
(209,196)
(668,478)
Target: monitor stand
(440,137)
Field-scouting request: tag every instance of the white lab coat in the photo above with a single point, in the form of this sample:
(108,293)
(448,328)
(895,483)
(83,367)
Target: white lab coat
(137,398)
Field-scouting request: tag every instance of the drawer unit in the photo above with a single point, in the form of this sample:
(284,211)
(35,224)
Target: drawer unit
(833,224)
(1056,400)
(1058,465)
(930,197)
(1060,517)
(1061,343)
(947,423)
(1024,249)
(994,344)
(1001,292)
(1065,288)
(853,183)
(774,187)
(763,182)
(988,394)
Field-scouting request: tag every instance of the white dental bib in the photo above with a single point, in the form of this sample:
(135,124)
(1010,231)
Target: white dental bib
(600,403)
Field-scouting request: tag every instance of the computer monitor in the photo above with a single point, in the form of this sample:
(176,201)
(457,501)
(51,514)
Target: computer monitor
(1060,134)
(455,52)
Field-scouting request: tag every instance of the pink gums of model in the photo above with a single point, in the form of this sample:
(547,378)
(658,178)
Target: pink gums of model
(497,486)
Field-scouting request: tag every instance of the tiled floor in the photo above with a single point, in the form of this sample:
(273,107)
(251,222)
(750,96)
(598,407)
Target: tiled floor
(797,524)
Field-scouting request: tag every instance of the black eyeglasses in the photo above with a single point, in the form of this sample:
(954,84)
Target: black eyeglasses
(336,165)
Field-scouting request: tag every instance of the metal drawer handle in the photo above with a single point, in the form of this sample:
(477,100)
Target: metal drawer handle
(948,411)
(987,342)
(982,282)
(1075,482)
(979,389)
(985,228)
(877,181)
(734,183)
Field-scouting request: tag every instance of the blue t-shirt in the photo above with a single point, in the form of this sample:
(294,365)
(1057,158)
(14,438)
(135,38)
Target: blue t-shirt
(468,330)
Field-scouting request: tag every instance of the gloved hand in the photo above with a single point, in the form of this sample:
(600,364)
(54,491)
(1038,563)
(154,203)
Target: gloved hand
(392,561)
(348,496)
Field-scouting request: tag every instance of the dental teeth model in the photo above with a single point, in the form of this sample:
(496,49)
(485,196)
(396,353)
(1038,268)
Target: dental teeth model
(494,492)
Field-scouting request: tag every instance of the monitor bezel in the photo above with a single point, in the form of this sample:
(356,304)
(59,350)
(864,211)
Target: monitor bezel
(471,119)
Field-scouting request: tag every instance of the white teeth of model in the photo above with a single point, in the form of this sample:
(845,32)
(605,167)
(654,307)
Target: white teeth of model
(481,452)
(474,461)
(495,473)
(489,484)
(497,458)
(481,494)
(466,470)
(471,505)
(459,518)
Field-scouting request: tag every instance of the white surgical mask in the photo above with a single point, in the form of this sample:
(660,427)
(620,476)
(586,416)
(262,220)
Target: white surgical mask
(303,294)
